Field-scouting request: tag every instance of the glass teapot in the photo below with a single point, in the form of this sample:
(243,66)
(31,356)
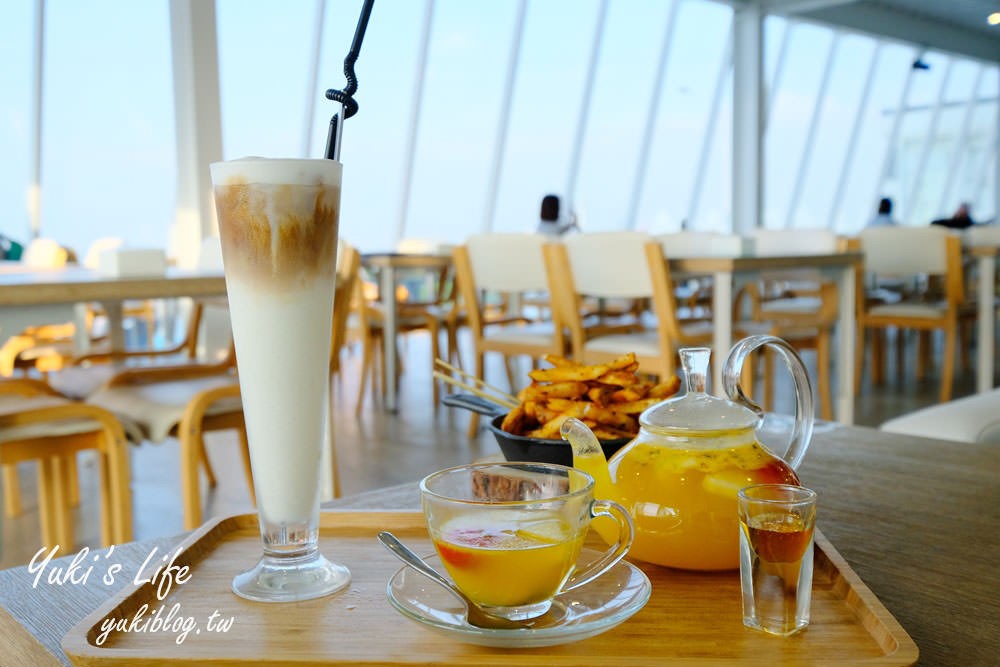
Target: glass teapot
(679,477)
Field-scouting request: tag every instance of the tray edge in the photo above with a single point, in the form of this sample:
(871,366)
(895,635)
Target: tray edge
(905,650)
(82,653)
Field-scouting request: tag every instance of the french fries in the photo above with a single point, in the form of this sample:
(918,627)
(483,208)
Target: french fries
(606,397)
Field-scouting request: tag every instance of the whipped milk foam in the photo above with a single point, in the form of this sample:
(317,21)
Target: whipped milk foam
(278,225)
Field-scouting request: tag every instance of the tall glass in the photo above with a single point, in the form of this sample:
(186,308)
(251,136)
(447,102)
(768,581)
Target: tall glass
(278,226)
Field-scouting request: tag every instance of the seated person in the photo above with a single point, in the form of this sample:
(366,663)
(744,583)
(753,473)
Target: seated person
(551,223)
(959,220)
(884,217)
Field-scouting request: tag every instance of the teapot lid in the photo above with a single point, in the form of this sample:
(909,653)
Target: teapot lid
(695,410)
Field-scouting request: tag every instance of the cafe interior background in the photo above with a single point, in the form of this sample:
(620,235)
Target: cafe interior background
(469,113)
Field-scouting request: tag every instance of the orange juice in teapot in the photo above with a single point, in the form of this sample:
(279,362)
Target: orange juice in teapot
(680,476)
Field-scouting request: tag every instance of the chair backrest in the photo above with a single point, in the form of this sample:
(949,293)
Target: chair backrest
(645,258)
(609,264)
(44,253)
(700,244)
(348,273)
(905,251)
(507,262)
(92,259)
(773,242)
(500,263)
(423,247)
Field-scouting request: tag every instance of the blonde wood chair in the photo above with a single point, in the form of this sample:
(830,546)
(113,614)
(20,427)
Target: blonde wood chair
(623,265)
(908,253)
(608,265)
(439,314)
(348,277)
(207,338)
(488,265)
(695,295)
(799,305)
(807,324)
(36,424)
(184,401)
(43,346)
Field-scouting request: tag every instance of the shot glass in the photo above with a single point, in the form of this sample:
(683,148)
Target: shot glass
(510,534)
(278,224)
(776,556)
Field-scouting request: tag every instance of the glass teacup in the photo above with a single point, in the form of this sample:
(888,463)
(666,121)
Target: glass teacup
(510,534)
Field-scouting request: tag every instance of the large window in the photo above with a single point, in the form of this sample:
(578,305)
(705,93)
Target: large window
(555,53)
(107,160)
(848,118)
(17,44)
(108,155)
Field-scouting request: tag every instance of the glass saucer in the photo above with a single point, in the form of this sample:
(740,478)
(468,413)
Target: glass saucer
(578,614)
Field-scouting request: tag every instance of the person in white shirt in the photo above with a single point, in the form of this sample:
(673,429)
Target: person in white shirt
(884,216)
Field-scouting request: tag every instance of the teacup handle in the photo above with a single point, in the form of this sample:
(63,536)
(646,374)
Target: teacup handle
(609,558)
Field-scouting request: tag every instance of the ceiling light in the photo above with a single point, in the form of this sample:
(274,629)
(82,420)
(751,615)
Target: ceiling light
(994,18)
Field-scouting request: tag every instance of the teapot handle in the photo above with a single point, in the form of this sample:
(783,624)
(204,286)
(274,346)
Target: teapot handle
(804,406)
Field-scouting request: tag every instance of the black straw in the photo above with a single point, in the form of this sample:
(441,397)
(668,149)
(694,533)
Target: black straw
(349,106)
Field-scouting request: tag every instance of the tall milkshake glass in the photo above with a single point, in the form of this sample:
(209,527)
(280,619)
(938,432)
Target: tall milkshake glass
(278,226)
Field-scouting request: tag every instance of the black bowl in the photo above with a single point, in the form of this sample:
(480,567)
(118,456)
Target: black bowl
(541,450)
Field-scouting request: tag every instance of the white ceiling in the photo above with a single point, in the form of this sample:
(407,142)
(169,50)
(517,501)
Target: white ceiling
(952,26)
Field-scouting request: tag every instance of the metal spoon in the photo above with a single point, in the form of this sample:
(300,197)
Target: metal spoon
(475,615)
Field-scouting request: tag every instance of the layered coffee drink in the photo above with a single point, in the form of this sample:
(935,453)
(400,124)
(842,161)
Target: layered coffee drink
(278,224)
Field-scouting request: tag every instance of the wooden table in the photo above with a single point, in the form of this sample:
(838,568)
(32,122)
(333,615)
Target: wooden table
(389,264)
(916,519)
(729,273)
(43,296)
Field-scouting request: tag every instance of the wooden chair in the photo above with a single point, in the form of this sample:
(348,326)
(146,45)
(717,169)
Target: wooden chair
(432,317)
(799,305)
(492,264)
(52,347)
(607,265)
(909,252)
(37,424)
(40,346)
(206,339)
(626,265)
(184,401)
(348,277)
(695,295)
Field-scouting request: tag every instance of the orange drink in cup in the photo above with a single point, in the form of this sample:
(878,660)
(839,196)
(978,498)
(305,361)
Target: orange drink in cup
(510,534)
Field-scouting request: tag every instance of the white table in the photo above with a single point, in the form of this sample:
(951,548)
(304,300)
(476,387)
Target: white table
(389,264)
(45,296)
(729,273)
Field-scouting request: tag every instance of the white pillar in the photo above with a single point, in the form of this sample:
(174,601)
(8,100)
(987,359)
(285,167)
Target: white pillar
(748,139)
(198,122)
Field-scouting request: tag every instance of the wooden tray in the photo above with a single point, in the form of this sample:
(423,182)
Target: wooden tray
(691,618)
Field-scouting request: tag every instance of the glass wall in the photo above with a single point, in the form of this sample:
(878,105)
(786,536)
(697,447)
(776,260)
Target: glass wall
(108,156)
(17,45)
(623,107)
